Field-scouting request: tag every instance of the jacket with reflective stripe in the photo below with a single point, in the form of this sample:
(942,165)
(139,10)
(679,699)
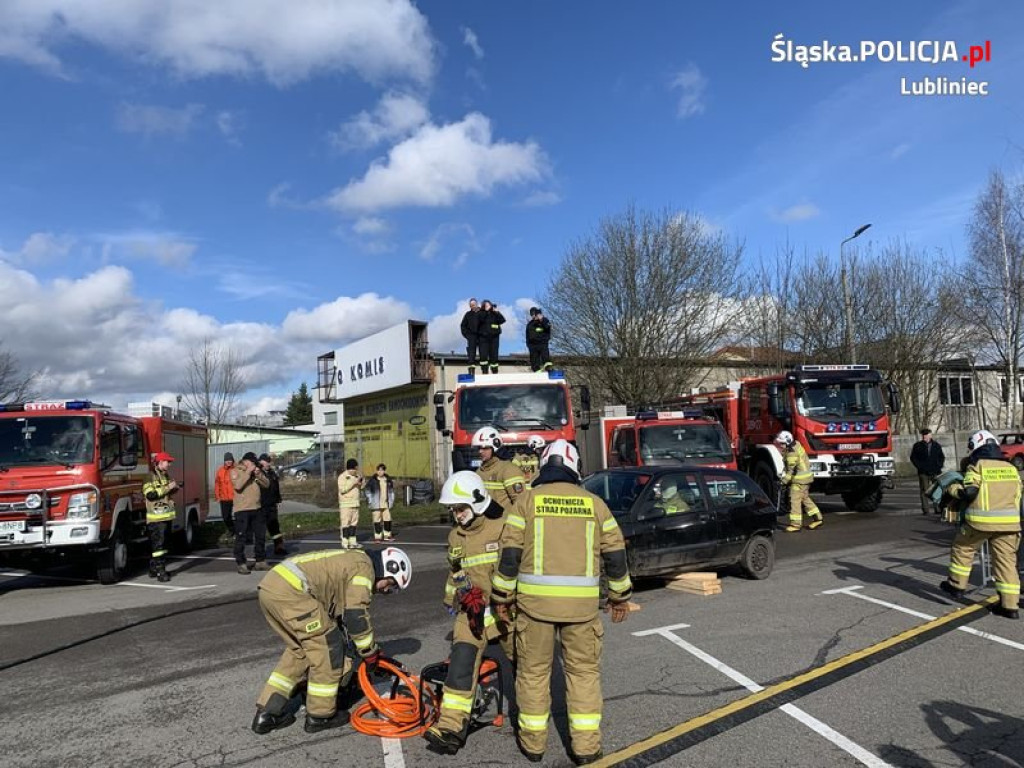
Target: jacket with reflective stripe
(341,580)
(348,489)
(503,480)
(476,549)
(798,466)
(161,508)
(997,505)
(556,537)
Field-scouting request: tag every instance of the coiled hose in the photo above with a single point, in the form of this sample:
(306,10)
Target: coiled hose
(408,711)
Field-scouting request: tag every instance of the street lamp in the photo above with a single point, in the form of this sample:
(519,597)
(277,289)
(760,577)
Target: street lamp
(851,352)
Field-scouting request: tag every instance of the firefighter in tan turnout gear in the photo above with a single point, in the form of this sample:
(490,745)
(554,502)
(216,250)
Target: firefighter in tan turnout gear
(159,514)
(311,601)
(473,550)
(798,477)
(990,497)
(556,537)
(503,480)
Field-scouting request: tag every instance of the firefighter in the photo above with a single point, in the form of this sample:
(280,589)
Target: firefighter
(312,601)
(471,333)
(159,514)
(990,498)
(473,547)
(798,477)
(555,540)
(350,482)
(670,501)
(538,337)
(503,480)
(270,497)
(491,321)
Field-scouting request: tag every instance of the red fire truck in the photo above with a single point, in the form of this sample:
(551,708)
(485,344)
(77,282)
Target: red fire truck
(652,438)
(518,405)
(837,413)
(71,476)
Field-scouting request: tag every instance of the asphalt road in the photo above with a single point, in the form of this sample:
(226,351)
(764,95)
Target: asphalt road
(166,675)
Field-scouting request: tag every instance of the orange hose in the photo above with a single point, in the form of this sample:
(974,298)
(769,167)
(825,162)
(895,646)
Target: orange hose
(401,716)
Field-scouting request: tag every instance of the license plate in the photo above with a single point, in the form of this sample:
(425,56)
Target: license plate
(849,446)
(12,526)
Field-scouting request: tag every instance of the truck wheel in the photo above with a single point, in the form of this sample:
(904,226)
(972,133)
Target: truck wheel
(187,535)
(864,499)
(758,557)
(112,561)
(1018,462)
(766,480)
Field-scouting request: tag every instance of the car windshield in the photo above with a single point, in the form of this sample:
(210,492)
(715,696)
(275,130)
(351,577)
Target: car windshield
(840,401)
(540,406)
(36,440)
(684,442)
(618,489)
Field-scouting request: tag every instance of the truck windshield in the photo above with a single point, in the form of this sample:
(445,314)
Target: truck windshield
(684,442)
(540,406)
(35,440)
(845,400)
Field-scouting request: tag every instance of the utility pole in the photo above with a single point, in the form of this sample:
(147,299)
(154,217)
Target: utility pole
(851,351)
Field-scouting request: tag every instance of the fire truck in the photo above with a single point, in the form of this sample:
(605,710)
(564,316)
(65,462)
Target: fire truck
(836,412)
(518,405)
(651,438)
(71,477)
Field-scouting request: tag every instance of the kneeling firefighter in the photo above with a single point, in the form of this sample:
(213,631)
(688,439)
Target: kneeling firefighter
(312,600)
(473,551)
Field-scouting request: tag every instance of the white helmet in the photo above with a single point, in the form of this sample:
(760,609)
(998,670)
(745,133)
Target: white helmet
(669,490)
(536,443)
(980,438)
(562,453)
(466,488)
(784,438)
(394,564)
(487,437)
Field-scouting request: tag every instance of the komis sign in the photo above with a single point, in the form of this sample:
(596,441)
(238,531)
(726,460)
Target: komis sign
(378,362)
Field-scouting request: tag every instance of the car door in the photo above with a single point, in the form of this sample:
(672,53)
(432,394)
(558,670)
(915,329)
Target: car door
(677,534)
(738,506)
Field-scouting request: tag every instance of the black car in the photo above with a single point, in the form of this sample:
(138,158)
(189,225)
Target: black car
(686,518)
(310,466)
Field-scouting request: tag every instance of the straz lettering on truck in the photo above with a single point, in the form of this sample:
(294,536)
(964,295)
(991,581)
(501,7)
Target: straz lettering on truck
(562,506)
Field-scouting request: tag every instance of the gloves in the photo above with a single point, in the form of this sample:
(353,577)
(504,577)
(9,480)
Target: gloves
(473,603)
(619,611)
(372,659)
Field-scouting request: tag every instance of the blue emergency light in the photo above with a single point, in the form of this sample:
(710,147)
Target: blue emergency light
(466,378)
(556,374)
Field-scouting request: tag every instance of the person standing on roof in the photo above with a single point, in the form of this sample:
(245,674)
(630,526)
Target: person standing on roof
(491,321)
(538,338)
(471,333)
(159,514)
(798,477)
(503,480)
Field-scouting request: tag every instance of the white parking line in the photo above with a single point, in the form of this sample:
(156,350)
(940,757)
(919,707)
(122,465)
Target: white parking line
(852,592)
(853,749)
(393,756)
(165,587)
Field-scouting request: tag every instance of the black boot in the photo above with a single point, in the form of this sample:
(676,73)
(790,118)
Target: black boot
(952,591)
(162,574)
(443,742)
(533,757)
(153,571)
(264,722)
(1006,613)
(317,724)
(586,759)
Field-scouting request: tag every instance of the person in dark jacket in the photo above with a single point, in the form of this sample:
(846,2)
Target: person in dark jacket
(270,497)
(928,459)
(380,493)
(538,337)
(491,321)
(471,333)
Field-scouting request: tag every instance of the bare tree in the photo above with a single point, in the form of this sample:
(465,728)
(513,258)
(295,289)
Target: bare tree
(213,382)
(649,296)
(768,320)
(993,288)
(15,384)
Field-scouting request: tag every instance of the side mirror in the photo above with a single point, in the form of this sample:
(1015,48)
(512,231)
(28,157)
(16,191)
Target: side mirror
(650,513)
(894,398)
(584,421)
(439,398)
(773,389)
(439,420)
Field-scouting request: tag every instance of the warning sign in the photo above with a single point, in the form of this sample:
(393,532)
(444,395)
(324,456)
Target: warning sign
(562,506)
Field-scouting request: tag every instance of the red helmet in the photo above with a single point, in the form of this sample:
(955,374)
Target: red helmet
(162,456)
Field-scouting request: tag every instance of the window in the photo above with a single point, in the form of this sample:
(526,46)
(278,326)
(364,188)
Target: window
(727,490)
(1002,389)
(678,492)
(754,402)
(624,445)
(110,444)
(526,406)
(956,390)
(618,489)
(330,418)
(131,444)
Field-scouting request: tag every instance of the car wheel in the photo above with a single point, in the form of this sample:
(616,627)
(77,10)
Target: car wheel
(1018,462)
(758,557)
(301,476)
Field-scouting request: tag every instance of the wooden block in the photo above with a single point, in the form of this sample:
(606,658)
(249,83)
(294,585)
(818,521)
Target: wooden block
(699,576)
(633,606)
(709,589)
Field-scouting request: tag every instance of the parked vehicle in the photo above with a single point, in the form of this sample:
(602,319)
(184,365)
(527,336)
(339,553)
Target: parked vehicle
(689,518)
(310,466)
(1012,446)
(650,438)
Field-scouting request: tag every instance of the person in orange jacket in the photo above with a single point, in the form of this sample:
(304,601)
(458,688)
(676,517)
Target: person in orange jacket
(224,492)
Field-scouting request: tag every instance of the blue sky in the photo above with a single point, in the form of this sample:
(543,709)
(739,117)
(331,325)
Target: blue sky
(291,181)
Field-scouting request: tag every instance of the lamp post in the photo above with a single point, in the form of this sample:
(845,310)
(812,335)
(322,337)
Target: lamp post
(178,414)
(851,351)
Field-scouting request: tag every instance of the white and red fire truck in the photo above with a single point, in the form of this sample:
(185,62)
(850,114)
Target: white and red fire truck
(651,438)
(71,477)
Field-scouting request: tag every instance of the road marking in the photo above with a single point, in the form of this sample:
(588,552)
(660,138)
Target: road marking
(30,575)
(673,740)
(164,587)
(851,748)
(393,756)
(852,592)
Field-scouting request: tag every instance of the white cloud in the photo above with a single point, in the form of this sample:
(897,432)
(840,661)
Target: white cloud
(370,225)
(266,404)
(152,120)
(446,336)
(459,240)
(39,248)
(396,116)
(693,84)
(228,123)
(899,151)
(439,165)
(542,197)
(470,39)
(167,248)
(795,213)
(278,197)
(345,319)
(283,42)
